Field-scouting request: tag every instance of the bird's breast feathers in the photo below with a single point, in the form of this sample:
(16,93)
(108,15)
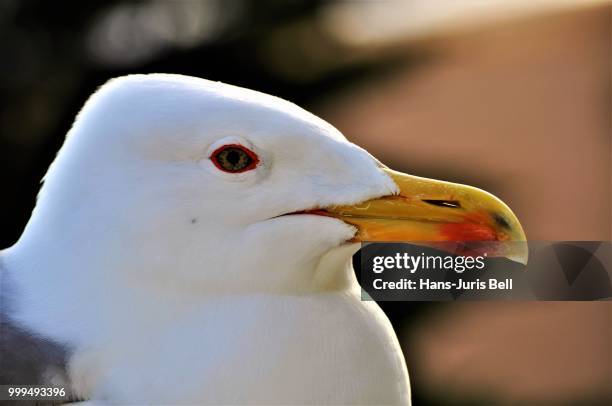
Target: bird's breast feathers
(329,348)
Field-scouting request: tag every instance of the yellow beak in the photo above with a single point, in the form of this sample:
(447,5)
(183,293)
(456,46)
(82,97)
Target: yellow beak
(428,212)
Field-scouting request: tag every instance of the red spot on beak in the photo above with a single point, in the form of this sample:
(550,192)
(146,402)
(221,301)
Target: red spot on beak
(467,232)
(475,228)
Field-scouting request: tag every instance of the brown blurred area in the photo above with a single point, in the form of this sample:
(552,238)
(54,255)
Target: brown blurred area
(526,353)
(513,96)
(522,109)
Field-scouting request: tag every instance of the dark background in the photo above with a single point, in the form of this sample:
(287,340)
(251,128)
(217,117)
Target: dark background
(506,96)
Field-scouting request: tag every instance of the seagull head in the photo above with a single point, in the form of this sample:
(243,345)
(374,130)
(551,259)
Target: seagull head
(170,179)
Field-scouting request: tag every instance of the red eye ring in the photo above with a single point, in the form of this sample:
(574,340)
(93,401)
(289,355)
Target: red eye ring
(234,158)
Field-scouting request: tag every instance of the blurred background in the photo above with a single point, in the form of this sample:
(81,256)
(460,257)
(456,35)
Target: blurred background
(511,96)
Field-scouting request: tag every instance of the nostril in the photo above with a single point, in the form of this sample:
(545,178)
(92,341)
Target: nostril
(500,221)
(453,204)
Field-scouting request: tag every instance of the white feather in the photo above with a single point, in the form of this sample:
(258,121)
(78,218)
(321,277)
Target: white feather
(177,283)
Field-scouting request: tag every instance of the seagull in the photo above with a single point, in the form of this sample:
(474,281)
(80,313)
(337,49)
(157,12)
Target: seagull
(191,244)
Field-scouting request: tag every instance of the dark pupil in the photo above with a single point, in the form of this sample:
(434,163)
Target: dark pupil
(234,159)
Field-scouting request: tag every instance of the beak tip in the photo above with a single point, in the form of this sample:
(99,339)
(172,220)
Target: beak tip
(522,261)
(522,257)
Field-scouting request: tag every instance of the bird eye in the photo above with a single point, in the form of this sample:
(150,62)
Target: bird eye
(234,158)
